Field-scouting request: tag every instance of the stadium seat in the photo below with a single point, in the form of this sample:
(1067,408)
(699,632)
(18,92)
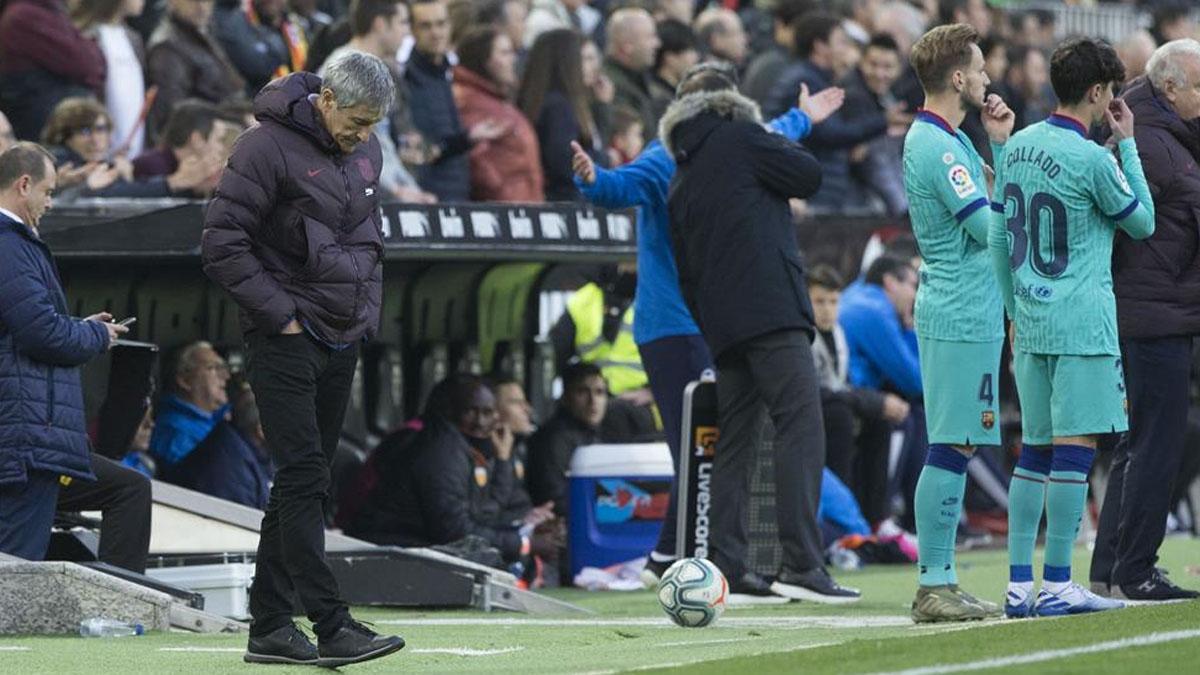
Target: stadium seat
(170,308)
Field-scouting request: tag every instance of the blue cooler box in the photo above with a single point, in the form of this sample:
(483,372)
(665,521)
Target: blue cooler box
(619,497)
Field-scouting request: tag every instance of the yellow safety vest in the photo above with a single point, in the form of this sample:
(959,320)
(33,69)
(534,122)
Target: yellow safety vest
(619,361)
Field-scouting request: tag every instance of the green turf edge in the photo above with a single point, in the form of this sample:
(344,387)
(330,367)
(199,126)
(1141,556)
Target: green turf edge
(997,639)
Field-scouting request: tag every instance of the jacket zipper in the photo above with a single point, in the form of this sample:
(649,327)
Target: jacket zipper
(357,272)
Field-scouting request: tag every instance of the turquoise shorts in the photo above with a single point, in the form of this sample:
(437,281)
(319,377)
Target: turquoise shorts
(962,391)
(1068,395)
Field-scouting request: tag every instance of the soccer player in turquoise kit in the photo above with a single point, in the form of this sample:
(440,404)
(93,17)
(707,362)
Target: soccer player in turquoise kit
(1063,198)
(959,315)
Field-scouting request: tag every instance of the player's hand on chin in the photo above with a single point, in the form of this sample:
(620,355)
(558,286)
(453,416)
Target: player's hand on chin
(998,119)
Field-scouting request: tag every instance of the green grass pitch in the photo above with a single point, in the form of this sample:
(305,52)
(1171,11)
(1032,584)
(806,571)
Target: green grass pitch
(627,631)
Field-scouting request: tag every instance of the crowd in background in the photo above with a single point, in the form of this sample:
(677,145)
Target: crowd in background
(145,99)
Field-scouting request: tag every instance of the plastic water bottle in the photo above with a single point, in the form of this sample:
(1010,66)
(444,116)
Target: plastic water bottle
(100,627)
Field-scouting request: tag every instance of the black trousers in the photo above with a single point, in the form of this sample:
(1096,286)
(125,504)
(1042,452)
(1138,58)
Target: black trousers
(775,369)
(302,388)
(123,497)
(1146,461)
(841,449)
(671,363)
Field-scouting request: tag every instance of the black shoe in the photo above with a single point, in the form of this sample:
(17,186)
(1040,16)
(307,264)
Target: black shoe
(815,585)
(285,645)
(654,570)
(753,589)
(355,643)
(1156,588)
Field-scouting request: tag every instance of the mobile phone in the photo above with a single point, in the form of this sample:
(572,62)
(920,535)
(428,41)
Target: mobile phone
(127,322)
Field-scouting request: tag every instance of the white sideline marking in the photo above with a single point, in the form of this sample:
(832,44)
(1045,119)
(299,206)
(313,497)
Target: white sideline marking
(664,622)
(204,650)
(677,664)
(465,651)
(15,649)
(1050,655)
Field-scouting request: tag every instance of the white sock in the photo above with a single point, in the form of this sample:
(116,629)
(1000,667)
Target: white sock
(661,557)
(1022,588)
(1056,587)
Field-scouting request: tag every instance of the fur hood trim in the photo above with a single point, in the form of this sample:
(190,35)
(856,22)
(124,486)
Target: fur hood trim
(728,103)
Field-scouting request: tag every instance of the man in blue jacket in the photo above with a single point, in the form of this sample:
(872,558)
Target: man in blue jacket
(43,434)
(673,352)
(876,314)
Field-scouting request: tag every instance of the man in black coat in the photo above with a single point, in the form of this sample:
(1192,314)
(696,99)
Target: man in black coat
(741,275)
(293,234)
(1157,285)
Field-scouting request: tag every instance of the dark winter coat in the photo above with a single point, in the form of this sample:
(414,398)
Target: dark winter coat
(831,140)
(509,168)
(731,226)
(433,490)
(1157,280)
(185,63)
(436,116)
(294,229)
(42,424)
(556,127)
(43,59)
(257,50)
(227,466)
(550,452)
(632,90)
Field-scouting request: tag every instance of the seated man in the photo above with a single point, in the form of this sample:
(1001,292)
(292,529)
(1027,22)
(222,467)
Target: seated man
(123,498)
(452,480)
(597,328)
(844,406)
(576,422)
(194,443)
(877,315)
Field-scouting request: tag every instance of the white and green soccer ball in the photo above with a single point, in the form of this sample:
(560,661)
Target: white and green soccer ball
(692,592)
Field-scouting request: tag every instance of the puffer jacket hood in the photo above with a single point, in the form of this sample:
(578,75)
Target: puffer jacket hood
(287,101)
(727,104)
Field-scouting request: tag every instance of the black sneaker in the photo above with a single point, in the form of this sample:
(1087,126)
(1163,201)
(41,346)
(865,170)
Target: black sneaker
(285,645)
(1156,588)
(753,589)
(654,570)
(355,643)
(815,585)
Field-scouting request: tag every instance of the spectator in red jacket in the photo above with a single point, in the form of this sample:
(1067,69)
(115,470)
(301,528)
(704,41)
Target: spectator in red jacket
(43,59)
(507,168)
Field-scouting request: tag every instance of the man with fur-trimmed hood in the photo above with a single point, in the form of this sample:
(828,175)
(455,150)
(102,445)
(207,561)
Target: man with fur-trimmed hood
(741,275)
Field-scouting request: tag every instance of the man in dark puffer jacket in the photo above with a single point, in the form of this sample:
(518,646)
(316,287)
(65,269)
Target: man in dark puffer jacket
(42,433)
(1157,284)
(294,235)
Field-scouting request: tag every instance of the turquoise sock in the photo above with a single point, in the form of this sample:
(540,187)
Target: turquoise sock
(938,505)
(952,531)
(1026,497)
(1066,496)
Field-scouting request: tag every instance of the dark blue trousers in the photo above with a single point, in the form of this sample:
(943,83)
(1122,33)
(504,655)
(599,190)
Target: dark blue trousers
(671,363)
(26,515)
(1146,461)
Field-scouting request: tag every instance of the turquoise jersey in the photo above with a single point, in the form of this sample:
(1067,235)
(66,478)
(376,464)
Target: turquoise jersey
(958,299)
(1063,197)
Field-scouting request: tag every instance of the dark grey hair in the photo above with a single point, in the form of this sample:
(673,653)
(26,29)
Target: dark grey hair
(357,78)
(1167,63)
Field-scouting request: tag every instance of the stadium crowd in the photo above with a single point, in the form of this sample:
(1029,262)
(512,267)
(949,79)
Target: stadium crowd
(519,101)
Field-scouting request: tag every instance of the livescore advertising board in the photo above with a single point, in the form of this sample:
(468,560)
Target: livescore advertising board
(696,453)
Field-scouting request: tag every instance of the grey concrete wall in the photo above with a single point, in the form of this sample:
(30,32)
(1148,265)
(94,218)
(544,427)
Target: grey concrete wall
(49,598)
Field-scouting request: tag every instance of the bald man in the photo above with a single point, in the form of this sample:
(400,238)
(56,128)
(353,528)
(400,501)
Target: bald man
(722,35)
(632,43)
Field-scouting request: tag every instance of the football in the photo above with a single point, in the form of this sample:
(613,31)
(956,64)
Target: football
(692,592)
